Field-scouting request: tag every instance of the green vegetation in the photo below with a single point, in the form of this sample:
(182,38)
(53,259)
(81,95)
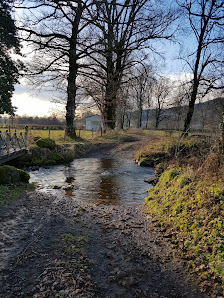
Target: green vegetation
(9,174)
(192,211)
(44,156)
(153,159)
(12,192)
(9,67)
(188,202)
(58,150)
(46,143)
(13,184)
(164,149)
(59,136)
(74,244)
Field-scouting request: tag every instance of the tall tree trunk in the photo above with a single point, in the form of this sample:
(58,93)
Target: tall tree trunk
(73,68)
(147,119)
(140,118)
(109,106)
(190,111)
(71,91)
(157,118)
(70,107)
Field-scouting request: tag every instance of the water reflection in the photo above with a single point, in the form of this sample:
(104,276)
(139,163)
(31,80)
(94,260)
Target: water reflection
(98,180)
(108,191)
(70,192)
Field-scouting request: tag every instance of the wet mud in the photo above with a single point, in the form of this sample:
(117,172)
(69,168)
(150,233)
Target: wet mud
(53,247)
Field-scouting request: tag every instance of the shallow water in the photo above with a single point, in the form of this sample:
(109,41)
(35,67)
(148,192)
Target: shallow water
(99,180)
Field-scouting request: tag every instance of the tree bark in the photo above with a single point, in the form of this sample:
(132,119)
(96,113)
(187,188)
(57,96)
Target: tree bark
(72,75)
(190,111)
(109,105)
(71,90)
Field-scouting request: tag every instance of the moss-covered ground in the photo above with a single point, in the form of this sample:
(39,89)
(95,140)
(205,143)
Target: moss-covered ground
(187,203)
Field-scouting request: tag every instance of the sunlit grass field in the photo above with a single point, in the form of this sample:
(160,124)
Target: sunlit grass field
(89,136)
(57,135)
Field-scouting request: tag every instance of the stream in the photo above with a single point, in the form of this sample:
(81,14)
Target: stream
(96,179)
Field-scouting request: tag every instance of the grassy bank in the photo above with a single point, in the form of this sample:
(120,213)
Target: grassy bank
(191,215)
(61,151)
(187,203)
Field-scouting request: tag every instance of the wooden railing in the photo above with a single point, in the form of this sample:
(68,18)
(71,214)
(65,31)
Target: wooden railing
(11,143)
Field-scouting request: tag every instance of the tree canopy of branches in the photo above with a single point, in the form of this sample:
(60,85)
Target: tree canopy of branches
(122,29)
(9,72)
(141,87)
(206,19)
(160,91)
(52,29)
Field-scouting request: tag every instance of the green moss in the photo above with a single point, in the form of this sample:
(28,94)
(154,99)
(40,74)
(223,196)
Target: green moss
(191,209)
(152,159)
(171,174)
(73,244)
(10,174)
(50,162)
(58,158)
(37,161)
(24,176)
(159,169)
(46,143)
(182,181)
(146,162)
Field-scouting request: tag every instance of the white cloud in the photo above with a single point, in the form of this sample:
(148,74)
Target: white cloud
(181,77)
(31,106)
(32,103)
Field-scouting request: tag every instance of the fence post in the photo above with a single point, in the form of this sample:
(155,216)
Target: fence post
(14,141)
(26,136)
(92,133)
(7,141)
(49,134)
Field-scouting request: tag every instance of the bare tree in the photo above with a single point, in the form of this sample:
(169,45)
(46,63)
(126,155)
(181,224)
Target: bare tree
(141,86)
(206,19)
(53,30)
(180,95)
(123,28)
(160,91)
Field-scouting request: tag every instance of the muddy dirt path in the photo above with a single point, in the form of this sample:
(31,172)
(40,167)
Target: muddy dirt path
(54,247)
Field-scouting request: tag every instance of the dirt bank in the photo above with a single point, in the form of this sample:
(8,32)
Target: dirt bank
(57,247)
